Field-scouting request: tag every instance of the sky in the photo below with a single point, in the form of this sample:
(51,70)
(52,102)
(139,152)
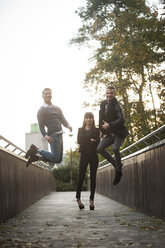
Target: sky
(35,54)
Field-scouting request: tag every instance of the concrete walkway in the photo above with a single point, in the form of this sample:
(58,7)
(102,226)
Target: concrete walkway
(56,221)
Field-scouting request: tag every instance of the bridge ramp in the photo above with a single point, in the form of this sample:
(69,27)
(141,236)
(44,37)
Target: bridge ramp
(56,221)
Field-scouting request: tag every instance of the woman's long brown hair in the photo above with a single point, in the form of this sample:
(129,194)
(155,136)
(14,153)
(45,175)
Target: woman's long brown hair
(90,115)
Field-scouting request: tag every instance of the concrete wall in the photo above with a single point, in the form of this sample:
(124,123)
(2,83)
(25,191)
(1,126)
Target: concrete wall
(142,185)
(21,186)
(37,139)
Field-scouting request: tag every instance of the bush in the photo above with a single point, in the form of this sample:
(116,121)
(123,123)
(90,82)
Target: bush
(60,186)
(62,176)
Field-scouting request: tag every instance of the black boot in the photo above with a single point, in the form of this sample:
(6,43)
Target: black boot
(32,158)
(33,150)
(119,167)
(117,177)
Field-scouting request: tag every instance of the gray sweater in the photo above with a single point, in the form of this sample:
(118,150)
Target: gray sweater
(52,118)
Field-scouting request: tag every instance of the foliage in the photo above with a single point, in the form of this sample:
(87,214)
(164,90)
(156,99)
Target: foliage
(129,44)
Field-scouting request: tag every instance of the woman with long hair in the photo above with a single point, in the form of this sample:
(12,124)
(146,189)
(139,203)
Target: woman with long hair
(88,139)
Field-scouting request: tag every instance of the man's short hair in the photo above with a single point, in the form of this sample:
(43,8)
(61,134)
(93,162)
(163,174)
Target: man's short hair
(45,90)
(110,87)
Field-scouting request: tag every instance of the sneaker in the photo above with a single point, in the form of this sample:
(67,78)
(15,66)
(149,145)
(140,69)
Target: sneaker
(33,150)
(117,177)
(32,158)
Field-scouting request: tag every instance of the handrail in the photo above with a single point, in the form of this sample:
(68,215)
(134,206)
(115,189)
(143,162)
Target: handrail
(143,143)
(21,152)
(153,134)
(10,144)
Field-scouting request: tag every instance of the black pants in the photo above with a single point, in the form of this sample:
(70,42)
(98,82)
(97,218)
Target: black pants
(92,160)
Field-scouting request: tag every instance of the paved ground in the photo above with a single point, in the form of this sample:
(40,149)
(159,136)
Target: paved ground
(56,221)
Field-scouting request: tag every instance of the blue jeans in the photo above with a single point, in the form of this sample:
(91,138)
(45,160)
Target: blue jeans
(107,141)
(56,147)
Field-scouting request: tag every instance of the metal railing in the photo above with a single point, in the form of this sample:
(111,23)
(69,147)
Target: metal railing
(10,146)
(156,136)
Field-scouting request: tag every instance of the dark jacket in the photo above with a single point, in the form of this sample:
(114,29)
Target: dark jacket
(86,145)
(114,116)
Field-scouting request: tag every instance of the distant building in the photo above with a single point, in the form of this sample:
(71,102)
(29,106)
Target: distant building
(35,137)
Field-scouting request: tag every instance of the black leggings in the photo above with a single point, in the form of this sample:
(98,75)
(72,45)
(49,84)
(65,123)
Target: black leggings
(92,159)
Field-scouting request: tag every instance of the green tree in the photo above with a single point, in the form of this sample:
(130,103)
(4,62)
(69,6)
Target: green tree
(129,47)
